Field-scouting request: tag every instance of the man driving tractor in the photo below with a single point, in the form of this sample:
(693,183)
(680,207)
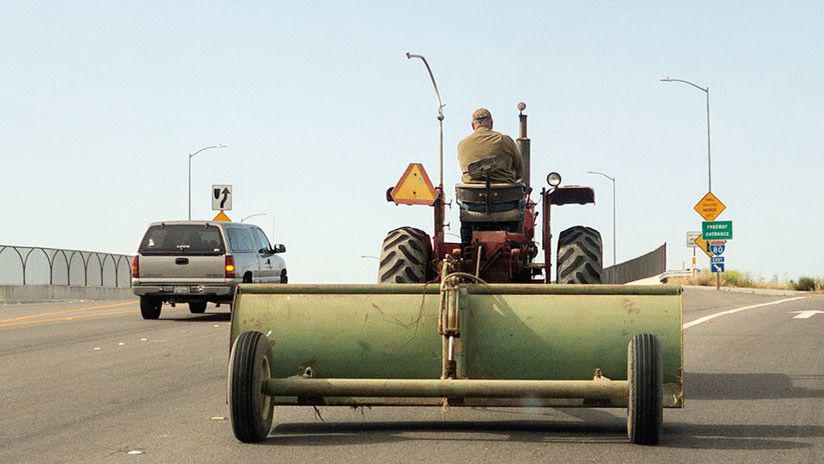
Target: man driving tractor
(505,167)
(484,143)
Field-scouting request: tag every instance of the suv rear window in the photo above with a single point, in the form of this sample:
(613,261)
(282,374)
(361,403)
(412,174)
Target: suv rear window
(183,239)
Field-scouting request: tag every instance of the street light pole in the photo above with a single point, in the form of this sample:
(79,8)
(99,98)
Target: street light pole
(614,228)
(252,215)
(706,90)
(192,155)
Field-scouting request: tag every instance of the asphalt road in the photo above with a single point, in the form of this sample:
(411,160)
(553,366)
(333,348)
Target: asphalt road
(91,382)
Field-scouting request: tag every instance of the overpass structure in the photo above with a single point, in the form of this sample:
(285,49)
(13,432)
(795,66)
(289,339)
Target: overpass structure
(42,274)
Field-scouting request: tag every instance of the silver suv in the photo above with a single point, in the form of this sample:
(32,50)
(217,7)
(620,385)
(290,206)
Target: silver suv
(197,262)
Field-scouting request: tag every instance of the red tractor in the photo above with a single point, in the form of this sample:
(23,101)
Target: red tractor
(498,230)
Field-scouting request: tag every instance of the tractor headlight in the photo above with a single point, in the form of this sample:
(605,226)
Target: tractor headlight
(553,179)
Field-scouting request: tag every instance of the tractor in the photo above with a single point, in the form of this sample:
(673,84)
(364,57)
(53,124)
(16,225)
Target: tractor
(497,233)
(469,324)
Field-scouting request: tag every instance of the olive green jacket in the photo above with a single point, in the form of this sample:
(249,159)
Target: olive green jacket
(486,143)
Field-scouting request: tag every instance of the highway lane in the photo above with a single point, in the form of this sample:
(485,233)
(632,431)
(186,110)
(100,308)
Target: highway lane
(91,382)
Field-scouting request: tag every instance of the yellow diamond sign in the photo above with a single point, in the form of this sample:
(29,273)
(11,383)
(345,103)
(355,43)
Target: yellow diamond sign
(703,245)
(222,217)
(710,207)
(414,187)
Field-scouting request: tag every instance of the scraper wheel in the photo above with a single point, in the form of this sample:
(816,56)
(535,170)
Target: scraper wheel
(250,410)
(645,411)
(405,256)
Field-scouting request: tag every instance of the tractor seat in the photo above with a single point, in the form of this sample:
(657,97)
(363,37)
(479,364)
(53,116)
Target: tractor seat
(506,202)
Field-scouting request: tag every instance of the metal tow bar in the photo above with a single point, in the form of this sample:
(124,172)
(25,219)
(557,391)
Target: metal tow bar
(449,317)
(448,323)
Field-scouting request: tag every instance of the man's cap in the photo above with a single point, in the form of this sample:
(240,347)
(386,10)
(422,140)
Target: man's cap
(481,114)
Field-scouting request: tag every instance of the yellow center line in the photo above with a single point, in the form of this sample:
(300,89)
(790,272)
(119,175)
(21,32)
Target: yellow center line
(64,311)
(120,312)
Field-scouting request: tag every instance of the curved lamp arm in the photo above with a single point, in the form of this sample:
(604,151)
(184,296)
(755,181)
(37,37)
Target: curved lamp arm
(434,84)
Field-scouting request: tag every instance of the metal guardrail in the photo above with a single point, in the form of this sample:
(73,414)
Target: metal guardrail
(22,265)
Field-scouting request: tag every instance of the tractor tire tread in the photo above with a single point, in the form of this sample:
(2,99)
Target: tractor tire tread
(405,256)
(580,256)
(576,232)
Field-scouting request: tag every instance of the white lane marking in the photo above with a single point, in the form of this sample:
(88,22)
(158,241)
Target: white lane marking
(737,310)
(806,314)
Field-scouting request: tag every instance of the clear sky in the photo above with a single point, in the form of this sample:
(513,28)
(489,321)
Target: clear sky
(100,103)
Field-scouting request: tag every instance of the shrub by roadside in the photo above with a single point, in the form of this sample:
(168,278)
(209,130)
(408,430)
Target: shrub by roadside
(739,279)
(808,284)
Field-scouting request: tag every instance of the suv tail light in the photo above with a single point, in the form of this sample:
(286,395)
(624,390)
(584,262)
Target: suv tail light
(230,267)
(136,266)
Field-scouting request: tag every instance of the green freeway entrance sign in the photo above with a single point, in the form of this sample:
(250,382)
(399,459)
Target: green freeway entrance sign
(716,230)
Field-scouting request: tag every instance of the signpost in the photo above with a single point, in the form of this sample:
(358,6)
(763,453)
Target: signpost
(717,230)
(703,245)
(714,234)
(221,217)
(709,207)
(221,198)
(691,236)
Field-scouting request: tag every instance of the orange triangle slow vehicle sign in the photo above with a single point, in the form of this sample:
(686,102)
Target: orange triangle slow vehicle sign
(414,187)
(222,217)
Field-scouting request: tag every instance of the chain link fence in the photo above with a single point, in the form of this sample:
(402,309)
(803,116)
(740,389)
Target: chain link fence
(21,265)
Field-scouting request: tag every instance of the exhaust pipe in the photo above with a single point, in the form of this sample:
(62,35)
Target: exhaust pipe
(523,143)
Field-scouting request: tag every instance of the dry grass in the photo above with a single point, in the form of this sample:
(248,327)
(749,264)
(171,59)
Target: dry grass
(740,279)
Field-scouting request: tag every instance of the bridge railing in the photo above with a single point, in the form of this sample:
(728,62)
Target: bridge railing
(23,265)
(647,265)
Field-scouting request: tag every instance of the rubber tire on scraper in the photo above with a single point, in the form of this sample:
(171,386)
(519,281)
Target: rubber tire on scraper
(645,411)
(250,410)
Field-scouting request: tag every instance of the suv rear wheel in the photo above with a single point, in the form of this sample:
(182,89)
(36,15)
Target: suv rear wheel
(150,307)
(197,307)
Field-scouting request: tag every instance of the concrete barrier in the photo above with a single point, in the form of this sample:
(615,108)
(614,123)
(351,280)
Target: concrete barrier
(645,266)
(32,293)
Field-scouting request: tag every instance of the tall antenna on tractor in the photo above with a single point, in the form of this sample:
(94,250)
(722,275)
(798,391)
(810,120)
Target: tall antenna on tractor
(440,111)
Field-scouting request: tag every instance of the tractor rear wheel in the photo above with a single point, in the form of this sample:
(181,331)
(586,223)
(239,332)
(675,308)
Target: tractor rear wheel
(405,256)
(579,256)
(645,410)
